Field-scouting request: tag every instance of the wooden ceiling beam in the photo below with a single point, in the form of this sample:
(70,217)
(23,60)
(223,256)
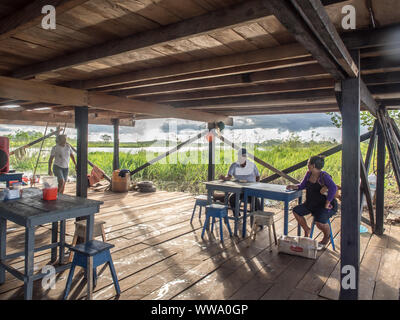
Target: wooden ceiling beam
(318,108)
(333,51)
(40,92)
(31,15)
(217,65)
(305,71)
(243,91)
(294,23)
(371,63)
(227,17)
(287,98)
(268,55)
(378,37)
(274,65)
(316,17)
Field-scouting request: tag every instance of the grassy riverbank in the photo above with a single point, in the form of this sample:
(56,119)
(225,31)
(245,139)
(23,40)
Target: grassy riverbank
(179,172)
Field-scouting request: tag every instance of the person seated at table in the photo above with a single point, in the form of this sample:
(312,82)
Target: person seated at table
(61,152)
(242,170)
(322,206)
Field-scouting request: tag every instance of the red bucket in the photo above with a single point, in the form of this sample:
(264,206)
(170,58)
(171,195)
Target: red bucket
(50,194)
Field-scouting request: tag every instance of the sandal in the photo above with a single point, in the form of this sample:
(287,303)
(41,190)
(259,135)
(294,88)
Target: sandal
(321,246)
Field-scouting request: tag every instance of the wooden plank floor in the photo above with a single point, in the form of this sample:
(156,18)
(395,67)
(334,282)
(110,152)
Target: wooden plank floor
(158,254)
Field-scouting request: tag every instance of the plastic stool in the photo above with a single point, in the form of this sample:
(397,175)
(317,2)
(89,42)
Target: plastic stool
(201,201)
(100,251)
(263,218)
(216,211)
(330,228)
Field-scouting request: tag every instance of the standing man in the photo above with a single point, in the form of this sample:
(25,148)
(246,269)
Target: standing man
(243,170)
(61,152)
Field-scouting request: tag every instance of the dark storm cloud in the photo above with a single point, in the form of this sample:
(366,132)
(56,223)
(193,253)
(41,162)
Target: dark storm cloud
(96,128)
(183,126)
(291,122)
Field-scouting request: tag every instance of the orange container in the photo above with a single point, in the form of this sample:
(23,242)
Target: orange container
(50,194)
(120,184)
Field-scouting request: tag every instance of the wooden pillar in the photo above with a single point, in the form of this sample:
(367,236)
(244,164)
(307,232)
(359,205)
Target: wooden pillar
(81,125)
(380,181)
(211,155)
(350,207)
(116,144)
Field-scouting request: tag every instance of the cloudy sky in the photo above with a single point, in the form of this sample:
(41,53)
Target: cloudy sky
(245,129)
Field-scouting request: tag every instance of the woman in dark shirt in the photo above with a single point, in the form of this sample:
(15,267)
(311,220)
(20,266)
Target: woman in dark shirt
(321,206)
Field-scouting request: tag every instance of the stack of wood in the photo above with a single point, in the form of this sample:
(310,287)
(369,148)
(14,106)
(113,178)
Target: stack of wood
(393,217)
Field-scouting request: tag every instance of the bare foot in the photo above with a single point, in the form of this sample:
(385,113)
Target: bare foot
(324,241)
(307,232)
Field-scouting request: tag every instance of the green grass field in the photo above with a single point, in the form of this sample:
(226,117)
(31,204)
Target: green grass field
(188,176)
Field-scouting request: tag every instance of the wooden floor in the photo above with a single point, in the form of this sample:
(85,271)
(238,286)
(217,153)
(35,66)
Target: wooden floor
(158,254)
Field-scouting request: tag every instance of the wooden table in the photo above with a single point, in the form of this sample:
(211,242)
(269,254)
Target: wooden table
(31,211)
(272,192)
(228,187)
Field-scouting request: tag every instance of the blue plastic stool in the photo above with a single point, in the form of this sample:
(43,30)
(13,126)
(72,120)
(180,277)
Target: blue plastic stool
(330,228)
(100,251)
(201,201)
(216,211)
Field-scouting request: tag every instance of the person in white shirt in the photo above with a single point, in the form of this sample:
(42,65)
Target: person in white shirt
(61,153)
(242,170)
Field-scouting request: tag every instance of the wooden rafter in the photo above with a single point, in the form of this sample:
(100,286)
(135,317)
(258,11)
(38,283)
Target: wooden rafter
(372,38)
(289,17)
(322,27)
(267,55)
(227,17)
(314,13)
(294,73)
(35,91)
(31,15)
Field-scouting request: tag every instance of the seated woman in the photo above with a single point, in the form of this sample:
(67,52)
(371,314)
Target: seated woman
(321,206)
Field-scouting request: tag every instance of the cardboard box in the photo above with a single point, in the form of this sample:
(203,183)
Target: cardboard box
(298,246)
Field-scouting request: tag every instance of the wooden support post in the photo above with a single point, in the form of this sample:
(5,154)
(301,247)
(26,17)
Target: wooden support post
(116,144)
(350,208)
(211,155)
(81,124)
(380,182)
